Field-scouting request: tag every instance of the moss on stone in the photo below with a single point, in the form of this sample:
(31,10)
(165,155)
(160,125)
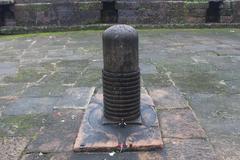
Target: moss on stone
(199,82)
(91,77)
(21,125)
(151,80)
(24,75)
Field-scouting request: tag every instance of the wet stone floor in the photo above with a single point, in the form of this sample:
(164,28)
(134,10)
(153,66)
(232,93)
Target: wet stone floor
(192,77)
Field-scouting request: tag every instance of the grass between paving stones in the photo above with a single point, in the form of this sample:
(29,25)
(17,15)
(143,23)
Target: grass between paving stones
(91,77)
(199,82)
(24,75)
(151,80)
(74,66)
(82,33)
(24,125)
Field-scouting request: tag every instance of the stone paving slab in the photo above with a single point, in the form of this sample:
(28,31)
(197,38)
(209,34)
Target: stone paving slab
(167,98)
(59,134)
(206,82)
(61,78)
(146,68)
(3,104)
(45,90)
(156,80)
(72,66)
(22,125)
(24,76)
(8,68)
(12,89)
(90,77)
(184,149)
(11,148)
(226,147)
(180,123)
(174,149)
(219,115)
(75,98)
(26,105)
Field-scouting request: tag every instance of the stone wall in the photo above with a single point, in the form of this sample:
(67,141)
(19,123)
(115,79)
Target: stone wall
(77,12)
(60,13)
(162,12)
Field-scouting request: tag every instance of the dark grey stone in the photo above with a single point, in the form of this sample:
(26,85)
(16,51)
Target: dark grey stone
(28,105)
(59,134)
(75,98)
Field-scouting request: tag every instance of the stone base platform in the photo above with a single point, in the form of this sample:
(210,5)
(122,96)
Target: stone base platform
(95,135)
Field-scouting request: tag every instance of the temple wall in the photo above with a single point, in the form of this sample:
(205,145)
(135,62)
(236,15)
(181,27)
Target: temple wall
(77,12)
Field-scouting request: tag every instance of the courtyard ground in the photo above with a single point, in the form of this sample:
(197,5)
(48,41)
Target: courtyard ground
(47,81)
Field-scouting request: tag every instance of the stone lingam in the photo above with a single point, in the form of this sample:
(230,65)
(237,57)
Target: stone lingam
(121,120)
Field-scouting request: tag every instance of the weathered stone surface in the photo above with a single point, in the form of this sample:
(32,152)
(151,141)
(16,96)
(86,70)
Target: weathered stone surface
(10,90)
(24,76)
(72,66)
(148,68)
(95,136)
(219,115)
(226,147)
(167,98)
(59,134)
(194,149)
(147,100)
(180,123)
(75,98)
(89,78)
(11,148)
(206,82)
(3,104)
(36,156)
(156,80)
(22,125)
(8,68)
(31,106)
(44,90)
(61,78)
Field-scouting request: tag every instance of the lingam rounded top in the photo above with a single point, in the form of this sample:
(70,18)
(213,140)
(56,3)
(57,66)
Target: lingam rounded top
(120,49)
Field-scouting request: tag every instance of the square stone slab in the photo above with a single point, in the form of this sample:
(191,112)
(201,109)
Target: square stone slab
(93,135)
(180,123)
(167,98)
(28,105)
(59,133)
(75,98)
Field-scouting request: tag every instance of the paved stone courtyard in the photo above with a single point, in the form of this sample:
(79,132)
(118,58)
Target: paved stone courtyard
(192,77)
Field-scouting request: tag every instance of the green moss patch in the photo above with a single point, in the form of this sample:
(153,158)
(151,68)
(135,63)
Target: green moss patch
(24,75)
(21,125)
